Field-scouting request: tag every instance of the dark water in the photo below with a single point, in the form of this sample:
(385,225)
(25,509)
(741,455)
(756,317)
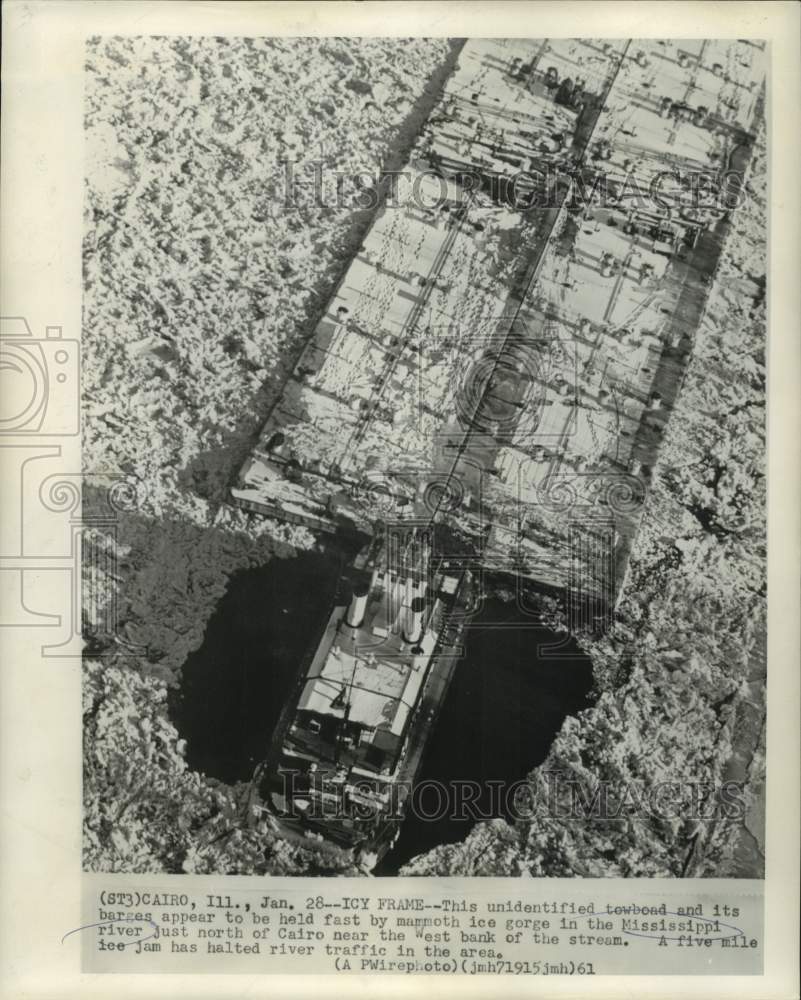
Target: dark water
(234,686)
(505,705)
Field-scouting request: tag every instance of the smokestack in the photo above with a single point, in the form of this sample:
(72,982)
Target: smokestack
(358,605)
(414,620)
(394,598)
